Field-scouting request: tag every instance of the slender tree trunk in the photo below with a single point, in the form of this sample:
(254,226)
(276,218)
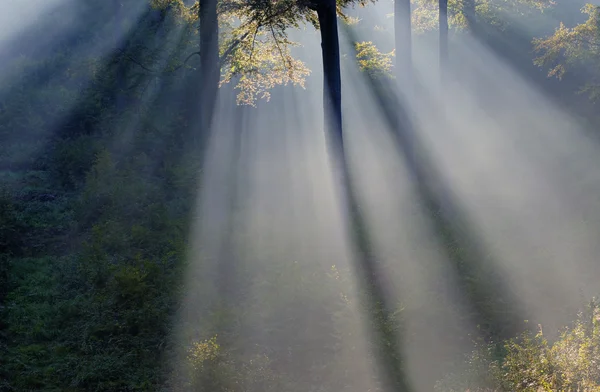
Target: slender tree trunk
(470,15)
(367,269)
(209,64)
(443,44)
(403,42)
(332,86)
(403,45)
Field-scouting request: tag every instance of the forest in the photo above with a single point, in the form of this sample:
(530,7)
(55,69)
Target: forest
(299,195)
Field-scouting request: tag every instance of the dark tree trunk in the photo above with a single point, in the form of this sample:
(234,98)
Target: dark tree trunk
(332,82)
(403,42)
(443,25)
(209,63)
(370,275)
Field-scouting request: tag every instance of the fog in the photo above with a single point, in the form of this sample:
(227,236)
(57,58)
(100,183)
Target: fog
(272,266)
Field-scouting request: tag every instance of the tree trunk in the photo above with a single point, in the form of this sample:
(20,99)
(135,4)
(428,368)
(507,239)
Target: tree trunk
(368,271)
(470,15)
(403,42)
(443,44)
(332,82)
(209,64)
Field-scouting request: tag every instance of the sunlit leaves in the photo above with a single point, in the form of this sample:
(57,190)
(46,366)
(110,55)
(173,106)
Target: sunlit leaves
(257,31)
(255,49)
(573,47)
(372,61)
(203,352)
(214,369)
(262,61)
(532,363)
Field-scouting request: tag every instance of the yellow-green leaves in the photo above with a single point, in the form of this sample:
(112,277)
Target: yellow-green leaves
(532,363)
(262,61)
(202,352)
(256,49)
(372,61)
(573,47)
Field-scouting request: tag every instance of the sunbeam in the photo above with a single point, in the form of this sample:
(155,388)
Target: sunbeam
(290,195)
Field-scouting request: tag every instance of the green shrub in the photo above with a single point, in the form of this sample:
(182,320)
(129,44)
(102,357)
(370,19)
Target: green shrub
(213,369)
(531,363)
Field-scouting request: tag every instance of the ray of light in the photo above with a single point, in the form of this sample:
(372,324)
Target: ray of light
(59,49)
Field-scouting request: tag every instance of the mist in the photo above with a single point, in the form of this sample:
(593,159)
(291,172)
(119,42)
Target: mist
(239,257)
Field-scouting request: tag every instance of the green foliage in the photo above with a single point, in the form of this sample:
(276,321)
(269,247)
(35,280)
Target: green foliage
(213,369)
(35,220)
(573,49)
(257,32)
(11,232)
(531,363)
(109,303)
(72,160)
(94,243)
(372,61)
(261,61)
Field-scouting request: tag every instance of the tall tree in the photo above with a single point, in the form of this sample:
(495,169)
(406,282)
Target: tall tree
(330,48)
(209,62)
(575,50)
(403,41)
(443,38)
(470,14)
(370,276)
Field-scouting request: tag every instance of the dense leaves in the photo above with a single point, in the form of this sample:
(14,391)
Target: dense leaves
(531,362)
(372,61)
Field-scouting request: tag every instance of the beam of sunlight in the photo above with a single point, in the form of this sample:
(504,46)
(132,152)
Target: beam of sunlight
(523,168)
(62,38)
(286,222)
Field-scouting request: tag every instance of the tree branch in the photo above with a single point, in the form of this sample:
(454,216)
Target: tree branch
(280,51)
(231,48)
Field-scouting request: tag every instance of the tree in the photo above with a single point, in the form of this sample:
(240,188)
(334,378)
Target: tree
(330,49)
(573,49)
(403,40)
(209,61)
(470,14)
(375,299)
(375,63)
(443,37)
